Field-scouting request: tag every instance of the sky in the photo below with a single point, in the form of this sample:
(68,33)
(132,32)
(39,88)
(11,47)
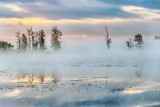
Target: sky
(81,19)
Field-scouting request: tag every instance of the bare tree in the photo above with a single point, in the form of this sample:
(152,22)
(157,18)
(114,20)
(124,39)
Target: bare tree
(55,38)
(30,34)
(108,40)
(18,40)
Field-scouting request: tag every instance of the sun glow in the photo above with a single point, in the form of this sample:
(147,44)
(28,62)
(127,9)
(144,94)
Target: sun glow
(26,21)
(41,20)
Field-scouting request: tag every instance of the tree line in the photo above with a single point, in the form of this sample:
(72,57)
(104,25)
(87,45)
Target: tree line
(32,40)
(36,40)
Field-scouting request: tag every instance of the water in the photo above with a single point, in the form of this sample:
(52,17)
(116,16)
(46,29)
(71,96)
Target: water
(82,76)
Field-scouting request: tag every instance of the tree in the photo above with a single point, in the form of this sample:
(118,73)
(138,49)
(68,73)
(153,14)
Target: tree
(35,41)
(24,42)
(157,37)
(18,40)
(42,40)
(55,38)
(138,40)
(108,40)
(5,45)
(129,43)
(30,34)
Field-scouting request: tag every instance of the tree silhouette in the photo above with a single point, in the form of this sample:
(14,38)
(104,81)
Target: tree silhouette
(35,41)
(108,40)
(42,40)
(5,45)
(138,40)
(55,38)
(18,40)
(31,37)
(157,37)
(24,42)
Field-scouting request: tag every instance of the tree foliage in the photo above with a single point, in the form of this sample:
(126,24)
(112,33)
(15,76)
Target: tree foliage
(138,40)
(55,38)
(24,42)
(5,45)
(35,41)
(21,41)
(42,40)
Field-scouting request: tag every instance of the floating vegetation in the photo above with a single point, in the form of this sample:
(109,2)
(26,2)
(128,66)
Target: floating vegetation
(117,90)
(138,74)
(75,65)
(135,65)
(108,65)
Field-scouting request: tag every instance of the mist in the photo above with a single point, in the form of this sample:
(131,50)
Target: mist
(86,71)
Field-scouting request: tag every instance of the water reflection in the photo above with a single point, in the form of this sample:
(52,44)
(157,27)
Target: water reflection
(28,82)
(48,89)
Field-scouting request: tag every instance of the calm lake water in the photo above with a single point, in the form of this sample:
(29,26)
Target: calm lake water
(84,77)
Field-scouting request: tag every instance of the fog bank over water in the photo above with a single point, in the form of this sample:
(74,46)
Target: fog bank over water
(83,74)
(89,52)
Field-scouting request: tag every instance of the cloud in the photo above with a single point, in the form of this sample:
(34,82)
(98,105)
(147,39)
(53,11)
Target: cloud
(14,7)
(9,10)
(143,12)
(79,9)
(152,4)
(66,9)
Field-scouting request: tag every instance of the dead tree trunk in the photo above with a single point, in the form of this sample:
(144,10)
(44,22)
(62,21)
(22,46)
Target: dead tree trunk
(108,40)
